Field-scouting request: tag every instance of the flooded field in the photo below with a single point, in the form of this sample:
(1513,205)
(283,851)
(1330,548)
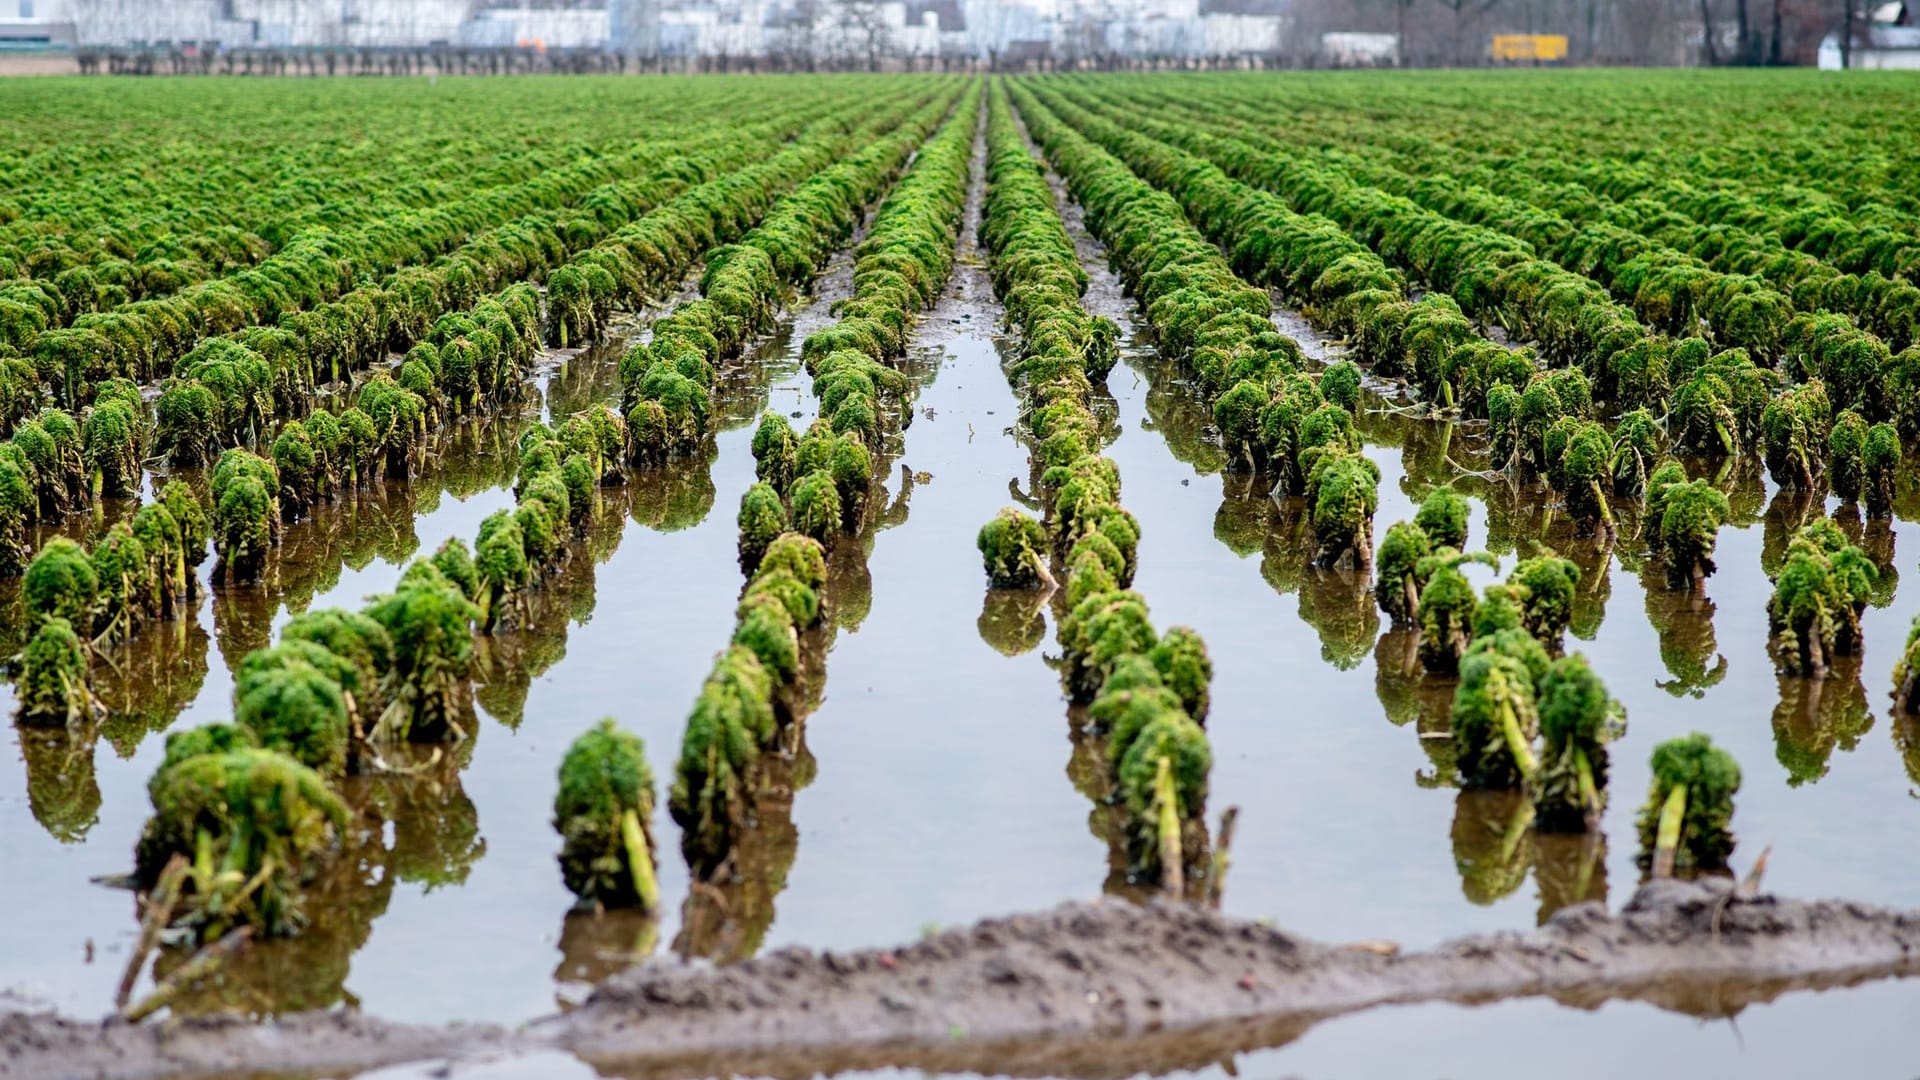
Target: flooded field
(943,776)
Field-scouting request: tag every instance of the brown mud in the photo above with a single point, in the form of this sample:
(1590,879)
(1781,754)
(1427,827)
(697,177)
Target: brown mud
(1086,989)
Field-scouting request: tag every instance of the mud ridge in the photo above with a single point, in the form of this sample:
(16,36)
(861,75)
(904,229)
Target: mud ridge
(1086,989)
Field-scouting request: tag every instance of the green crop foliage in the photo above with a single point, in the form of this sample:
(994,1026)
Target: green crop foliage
(1181,658)
(1495,718)
(763,518)
(291,699)
(1576,714)
(1794,430)
(1013,547)
(1846,456)
(61,583)
(1447,608)
(52,688)
(1443,517)
(1099,631)
(429,622)
(255,826)
(1399,582)
(604,805)
(1343,490)
(1340,385)
(1547,587)
(817,507)
(1818,596)
(1710,778)
(1879,469)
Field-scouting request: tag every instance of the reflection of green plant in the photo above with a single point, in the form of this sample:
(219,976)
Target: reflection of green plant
(1691,803)
(1815,715)
(1490,848)
(1013,621)
(604,811)
(62,791)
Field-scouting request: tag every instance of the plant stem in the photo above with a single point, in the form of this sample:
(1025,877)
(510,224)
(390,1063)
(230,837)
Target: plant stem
(1172,862)
(639,860)
(1667,838)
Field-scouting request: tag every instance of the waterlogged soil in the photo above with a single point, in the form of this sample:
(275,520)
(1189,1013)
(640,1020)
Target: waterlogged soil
(936,781)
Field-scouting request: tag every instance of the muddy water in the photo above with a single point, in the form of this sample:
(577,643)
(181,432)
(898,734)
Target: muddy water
(940,788)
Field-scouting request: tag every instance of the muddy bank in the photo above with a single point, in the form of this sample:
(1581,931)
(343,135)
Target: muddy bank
(1087,989)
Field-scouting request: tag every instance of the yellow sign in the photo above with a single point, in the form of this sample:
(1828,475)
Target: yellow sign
(1529,46)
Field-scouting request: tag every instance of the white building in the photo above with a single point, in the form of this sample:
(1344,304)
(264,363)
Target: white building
(35,23)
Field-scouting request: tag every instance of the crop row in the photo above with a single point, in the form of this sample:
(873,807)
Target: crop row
(341,687)
(1147,692)
(1718,402)
(1677,276)
(812,491)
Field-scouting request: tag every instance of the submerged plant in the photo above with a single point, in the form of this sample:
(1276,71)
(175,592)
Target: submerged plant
(1547,586)
(763,517)
(604,813)
(1399,582)
(1570,790)
(1013,547)
(52,687)
(1443,517)
(1794,431)
(253,826)
(1818,597)
(1683,521)
(1687,821)
(427,689)
(1495,718)
(1343,490)
(1447,608)
(1879,467)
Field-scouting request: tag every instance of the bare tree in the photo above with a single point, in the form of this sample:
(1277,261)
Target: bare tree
(863,26)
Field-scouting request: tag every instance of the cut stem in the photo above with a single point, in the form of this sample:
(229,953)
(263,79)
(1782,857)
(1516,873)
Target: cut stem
(639,860)
(1667,838)
(1172,863)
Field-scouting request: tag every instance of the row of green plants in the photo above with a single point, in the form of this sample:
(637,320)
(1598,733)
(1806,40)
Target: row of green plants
(305,313)
(1525,717)
(1147,694)
(668,383)
(1675,271)
(1628,367)
(184,185)
(1266,407)
(1809,163)
(748,718)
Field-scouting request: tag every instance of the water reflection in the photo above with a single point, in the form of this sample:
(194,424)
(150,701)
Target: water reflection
(1013,621)
(731,905)
(1492,843)
(1815,715)
(61,789)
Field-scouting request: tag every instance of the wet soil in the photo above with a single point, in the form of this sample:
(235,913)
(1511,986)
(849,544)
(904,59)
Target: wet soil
(1086,989)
